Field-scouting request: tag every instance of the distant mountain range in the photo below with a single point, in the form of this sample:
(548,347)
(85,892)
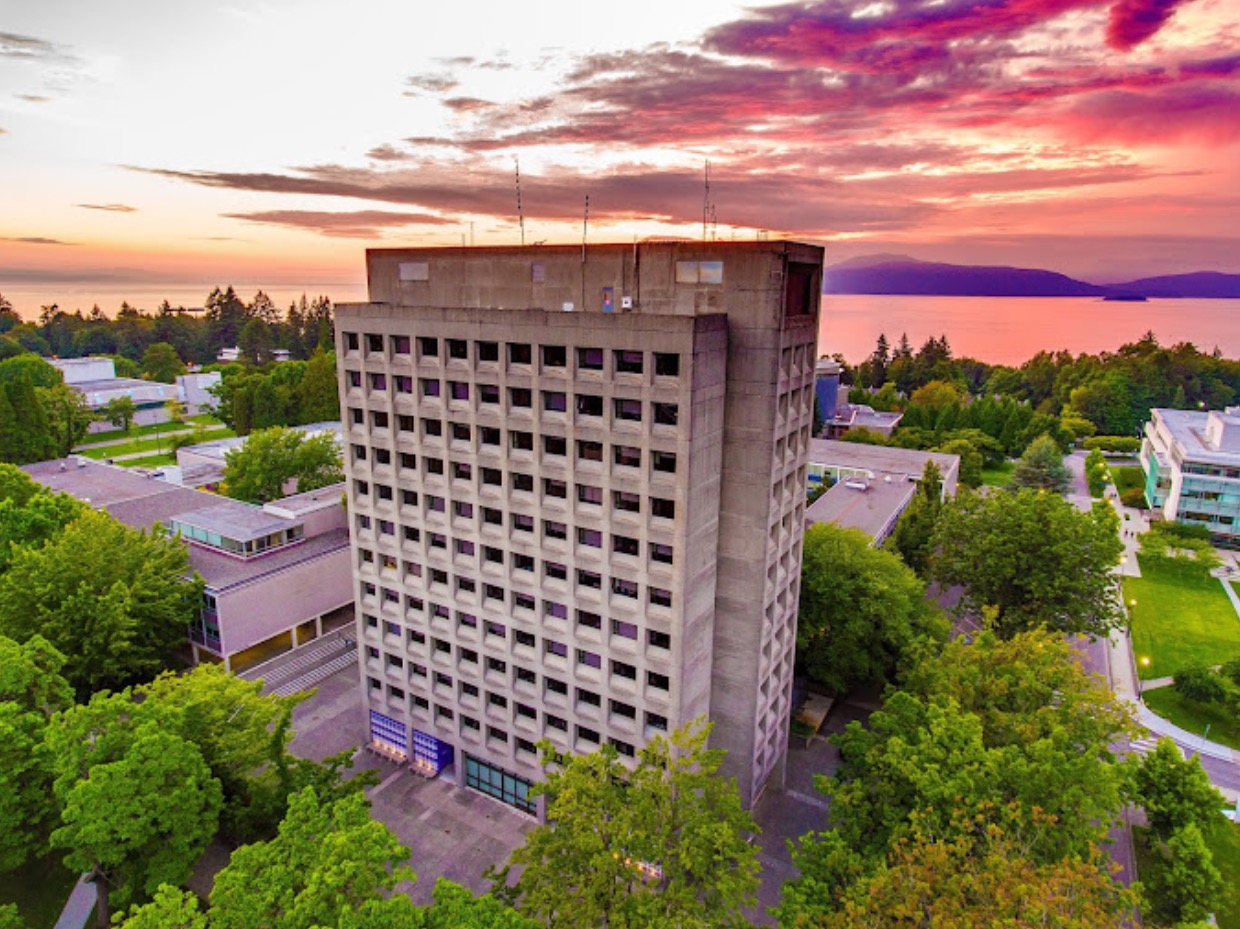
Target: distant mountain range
(898,274)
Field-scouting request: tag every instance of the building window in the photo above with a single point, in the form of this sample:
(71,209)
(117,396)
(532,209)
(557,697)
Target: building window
(589,405)
(624,630)
(590,451)
(404,384)
(555,488)
(622,588)
(406,423)
(350,341)
(428,347)
(522,522)
(522,562)
(400,344)
(660,597)
(554,401)
(552,647)
(553,722)
(458,390)
(487,351)
(499,630)
(520,398)
(699,272)
(660,553)
(430,387)
(378,381)
(590,579)
(627,456)
(496,782)
(590,359)
(658,681)
(554,530)
(488,393)
(519,353)
(627,362)
(520,440)
(355,378)
(666,414)
(555,686)
(555,570)
(666,364)
(589,659)
(555,445)
(623,545)
(626,501)
(589,620)
(555,610)
(587,735)
(378,419)
(589,494)
(523,482)
(592,538)
(524,638)
(458,348)
(628,410)
(623,709)
(522,601)
(624,669)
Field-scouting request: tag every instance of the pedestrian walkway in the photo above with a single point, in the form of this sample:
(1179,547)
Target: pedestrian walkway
(79,906)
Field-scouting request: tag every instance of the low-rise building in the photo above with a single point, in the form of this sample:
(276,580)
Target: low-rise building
(202,465)
(275,576)
(849,416)
(871,485)
(96,380)
(1191,461)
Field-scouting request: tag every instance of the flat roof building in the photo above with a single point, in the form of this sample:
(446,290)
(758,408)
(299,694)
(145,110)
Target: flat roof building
(1191,461)
(871,485)
(274,576)
(577,483)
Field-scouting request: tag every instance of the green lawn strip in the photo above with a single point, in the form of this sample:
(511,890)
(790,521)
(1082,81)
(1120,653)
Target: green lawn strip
(39,889)
(96,437)
(1127,477)
(998,477)
(150,461)
(1193,716)
(152,444)
(1179,620)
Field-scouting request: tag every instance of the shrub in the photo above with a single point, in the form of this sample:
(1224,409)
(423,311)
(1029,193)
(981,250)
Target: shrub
(1201,684)
(1134,497)
(1113,443)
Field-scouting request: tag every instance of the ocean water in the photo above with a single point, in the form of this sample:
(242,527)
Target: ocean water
(1008,330)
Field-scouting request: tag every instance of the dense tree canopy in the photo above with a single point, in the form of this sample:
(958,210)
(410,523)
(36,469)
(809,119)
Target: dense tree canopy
(1034,558)
(259,470)
(661,845)
(113,600)
(863,612)
(160,362)
(986,742)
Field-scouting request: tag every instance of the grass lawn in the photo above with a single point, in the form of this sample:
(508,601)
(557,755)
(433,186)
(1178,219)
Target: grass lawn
(998,477)
(1194,716)
(96,437)
(149,444)
(1127,477)
(1179,620)
(40,890)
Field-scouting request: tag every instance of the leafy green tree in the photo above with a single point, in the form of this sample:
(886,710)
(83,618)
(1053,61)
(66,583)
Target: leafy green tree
(863,612)
(113,600)
(663,844)
(160,362)
(256,342)
(24,427)
(1014,729)
(29,514)
(1202,684)
(1175,792)
(328,860)
(1184,885)
(915,527)
(454,907)
(971,460)
(68,416)
(977,877)
(170,908)
(270,458)
(1041,467)
(140,821)
(1034,557)
(318,393)
(120,412)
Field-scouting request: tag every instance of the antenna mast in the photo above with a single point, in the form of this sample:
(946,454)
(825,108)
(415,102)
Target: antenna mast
(520,213)
(706,201)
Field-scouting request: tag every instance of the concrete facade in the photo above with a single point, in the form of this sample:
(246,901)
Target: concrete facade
(1191,461)
(577,484)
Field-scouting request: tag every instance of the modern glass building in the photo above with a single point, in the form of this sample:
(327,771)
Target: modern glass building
(1192,468)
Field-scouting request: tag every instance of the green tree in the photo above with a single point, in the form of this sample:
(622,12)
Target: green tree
(24,425)
(1041,467)
(256,342)
(663,844)
(170,908)
(976,878)
(120,411)
(454,907)
(318,393)
(1184,885)
(270,458)
(1175,792)
(29,514)
(328,860)
(1034,557)
(971,460)
(1014,729)
(160,362)
(863,612)
(68,416)
(113,600)
(140,821)
(915,528)
(1205,685)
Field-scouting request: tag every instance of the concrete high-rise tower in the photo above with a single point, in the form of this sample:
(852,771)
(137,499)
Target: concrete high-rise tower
(577,485)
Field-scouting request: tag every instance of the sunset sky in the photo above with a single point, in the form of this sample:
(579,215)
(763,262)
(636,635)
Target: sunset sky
(153,149)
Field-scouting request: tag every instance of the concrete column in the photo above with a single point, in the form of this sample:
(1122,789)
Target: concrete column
(296,630)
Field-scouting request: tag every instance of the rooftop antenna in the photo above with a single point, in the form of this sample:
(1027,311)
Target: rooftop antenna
(706,200)
(520,213)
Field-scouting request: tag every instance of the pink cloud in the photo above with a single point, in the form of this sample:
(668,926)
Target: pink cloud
(1134,21)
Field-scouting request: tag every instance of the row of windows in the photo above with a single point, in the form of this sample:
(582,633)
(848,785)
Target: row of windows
(495,631)
(552,358)
(552,488)
(623,409)
(519,440)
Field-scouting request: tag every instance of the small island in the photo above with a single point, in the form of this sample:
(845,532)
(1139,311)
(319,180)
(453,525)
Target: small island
(1127,298)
